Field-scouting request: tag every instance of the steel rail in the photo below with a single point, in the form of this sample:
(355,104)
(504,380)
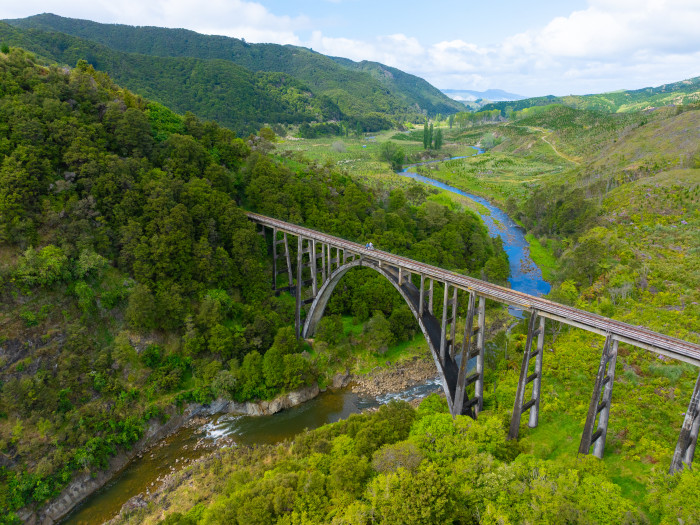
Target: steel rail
(624,332)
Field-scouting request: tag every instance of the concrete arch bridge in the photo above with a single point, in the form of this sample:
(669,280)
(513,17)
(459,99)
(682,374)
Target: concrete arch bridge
(322,260)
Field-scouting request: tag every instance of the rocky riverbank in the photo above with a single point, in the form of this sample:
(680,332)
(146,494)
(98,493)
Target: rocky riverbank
(86,484)
(394,378)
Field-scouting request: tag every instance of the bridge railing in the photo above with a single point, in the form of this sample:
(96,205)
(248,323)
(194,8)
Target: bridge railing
(320,256)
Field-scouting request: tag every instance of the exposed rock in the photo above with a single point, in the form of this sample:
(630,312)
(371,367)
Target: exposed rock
(394,379)
(135,503)
(341,380)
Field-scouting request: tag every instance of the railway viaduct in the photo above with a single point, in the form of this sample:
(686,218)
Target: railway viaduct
(322,260)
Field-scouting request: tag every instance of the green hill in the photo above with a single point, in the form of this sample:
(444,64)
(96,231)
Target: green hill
(679,93)
(355,87)
(212,89)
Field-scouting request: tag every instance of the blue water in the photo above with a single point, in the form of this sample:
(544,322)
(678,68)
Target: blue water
(525,275)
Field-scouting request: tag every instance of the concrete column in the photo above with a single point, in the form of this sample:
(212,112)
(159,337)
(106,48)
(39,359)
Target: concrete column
(537,382)
(313,267)
(323,262)
(594,407)
(443,330)
(480,338)
(453,328)
(297,317)
(599,445)
(518,406)
(688,438)
(274,258)
(421,300)
(430,296)
(464,361)
(289,262)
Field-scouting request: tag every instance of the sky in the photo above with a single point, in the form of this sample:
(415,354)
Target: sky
(548,47)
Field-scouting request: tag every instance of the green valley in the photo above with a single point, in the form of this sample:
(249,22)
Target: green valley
(135,290)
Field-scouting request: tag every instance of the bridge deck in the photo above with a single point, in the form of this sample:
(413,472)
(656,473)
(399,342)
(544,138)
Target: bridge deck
(624,332)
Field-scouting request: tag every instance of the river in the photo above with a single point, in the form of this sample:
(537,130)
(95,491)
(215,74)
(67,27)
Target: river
(141,475)
(525,275)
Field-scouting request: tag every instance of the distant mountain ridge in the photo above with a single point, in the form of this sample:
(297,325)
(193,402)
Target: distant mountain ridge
(469,95)
(674,94)
(356,88)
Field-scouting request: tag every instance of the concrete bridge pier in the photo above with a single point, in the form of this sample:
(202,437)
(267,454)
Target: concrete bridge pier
(688,438)
(603,384)
(533,405)
(285,255)
(472,406)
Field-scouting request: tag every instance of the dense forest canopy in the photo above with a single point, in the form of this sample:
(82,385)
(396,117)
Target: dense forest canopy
(132,281)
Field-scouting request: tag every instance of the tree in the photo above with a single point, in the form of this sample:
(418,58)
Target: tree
(273,368)
(220,341)
(451,121)
(403,324)
(430,136)
(267,134)
(392,153)
(43,267)
(330,329)
(297,371)
(141,312)
(438,139)
(378,334)
(251,381)
(404,497)
(286,341)
(426,141)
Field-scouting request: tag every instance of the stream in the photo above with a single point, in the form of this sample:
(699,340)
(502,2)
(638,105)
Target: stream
(189,443)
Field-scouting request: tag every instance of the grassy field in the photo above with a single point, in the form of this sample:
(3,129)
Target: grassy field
(518,161)
(542,255)
(359,157)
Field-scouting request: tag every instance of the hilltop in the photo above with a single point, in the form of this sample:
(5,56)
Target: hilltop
(679,93)
(357,89)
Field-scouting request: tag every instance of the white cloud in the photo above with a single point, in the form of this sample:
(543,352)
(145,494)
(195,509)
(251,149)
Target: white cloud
(609,45)
(236,18)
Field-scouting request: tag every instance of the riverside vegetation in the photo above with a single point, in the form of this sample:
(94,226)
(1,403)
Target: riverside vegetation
(132,282)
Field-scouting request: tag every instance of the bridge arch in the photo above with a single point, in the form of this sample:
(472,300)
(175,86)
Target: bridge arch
(428,323)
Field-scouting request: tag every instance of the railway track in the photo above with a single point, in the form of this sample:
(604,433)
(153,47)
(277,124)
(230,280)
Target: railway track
(620,331)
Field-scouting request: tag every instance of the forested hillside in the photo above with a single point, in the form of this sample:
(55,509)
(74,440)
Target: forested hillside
(212,89)
(356,88)
(132,282)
